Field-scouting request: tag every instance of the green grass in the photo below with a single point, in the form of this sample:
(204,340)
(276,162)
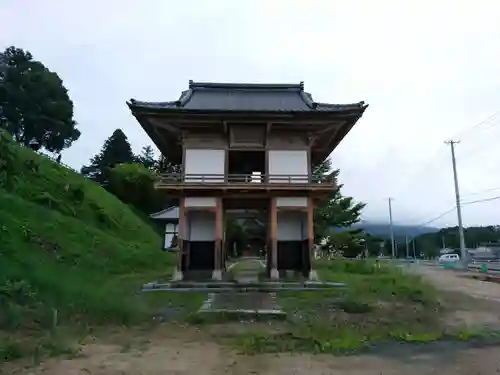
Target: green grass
(377,304)
(71,249)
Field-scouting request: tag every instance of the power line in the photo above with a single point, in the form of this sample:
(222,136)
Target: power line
(437,217)
(482,191)
(431,161)
(454,207)
(482,200)
(477,149)
(476,126)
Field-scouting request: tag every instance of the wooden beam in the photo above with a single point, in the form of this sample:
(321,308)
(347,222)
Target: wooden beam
(273,227)
(305,117)
(310,229)
(161,124)
(181,237)
(218,235)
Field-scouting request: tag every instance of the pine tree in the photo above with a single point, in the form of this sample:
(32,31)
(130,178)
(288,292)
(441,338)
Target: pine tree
(337,212)
(147,158)
(116,150)
(163,165)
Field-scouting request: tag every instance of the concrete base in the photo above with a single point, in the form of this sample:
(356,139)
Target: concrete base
(178,276)
(275,275)
(217,275)
(313,275)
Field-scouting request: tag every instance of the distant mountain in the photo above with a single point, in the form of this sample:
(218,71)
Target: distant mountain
(400,230)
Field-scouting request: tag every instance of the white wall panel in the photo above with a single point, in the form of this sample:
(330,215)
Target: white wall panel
(291,202)
(290,226)
(205,162)
(289,162)
(200,202)
(201,226)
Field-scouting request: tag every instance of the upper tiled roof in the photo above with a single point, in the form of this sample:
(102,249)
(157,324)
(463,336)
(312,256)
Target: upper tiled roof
(208,96)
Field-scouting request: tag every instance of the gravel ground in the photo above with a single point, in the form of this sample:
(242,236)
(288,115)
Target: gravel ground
(191,351)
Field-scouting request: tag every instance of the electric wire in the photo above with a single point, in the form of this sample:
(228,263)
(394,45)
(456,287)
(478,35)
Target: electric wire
(454,208)
(476,126)
(492,121)
(481,192)
(437,217)
(481,200)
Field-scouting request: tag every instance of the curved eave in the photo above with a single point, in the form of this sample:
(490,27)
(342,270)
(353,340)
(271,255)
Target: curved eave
(168,145)
(168,108)
(329,142)
(166,142)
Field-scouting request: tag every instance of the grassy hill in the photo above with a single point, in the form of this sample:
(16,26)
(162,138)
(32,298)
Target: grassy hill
(69,245)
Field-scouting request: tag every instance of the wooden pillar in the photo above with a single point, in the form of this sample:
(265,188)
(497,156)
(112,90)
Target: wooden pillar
(273,220)
(181,237)
(310,236)
(217,273)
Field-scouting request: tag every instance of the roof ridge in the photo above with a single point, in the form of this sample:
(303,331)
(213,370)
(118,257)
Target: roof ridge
(247,86)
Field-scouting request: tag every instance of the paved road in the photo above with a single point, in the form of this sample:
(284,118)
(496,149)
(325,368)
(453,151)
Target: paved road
(492,267)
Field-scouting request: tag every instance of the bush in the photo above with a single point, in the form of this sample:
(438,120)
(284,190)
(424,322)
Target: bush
(134,184)
(8,165)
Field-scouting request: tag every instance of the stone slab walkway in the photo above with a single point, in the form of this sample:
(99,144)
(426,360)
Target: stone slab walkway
(244,271)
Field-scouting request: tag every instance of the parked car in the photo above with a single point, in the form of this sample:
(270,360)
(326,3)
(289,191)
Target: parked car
(449,258)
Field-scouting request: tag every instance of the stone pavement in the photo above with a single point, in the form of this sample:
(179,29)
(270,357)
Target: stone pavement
(245,270)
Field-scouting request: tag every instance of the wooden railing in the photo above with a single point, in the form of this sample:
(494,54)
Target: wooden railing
(179,178)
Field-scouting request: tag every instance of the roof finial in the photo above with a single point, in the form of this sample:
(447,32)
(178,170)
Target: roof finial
(302,85)
(191,83)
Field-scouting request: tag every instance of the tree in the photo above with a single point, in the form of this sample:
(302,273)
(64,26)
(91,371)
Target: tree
(116,150)
(163,165)
(338,212)
(9,168)
(147,158)
(430,244)
(134,184)
(34,104)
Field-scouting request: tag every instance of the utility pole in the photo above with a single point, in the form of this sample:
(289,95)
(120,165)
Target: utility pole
(407,247)
(459,209)
(413,243)
(391,229)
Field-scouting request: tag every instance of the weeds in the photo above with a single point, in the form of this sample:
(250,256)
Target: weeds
(378,303)
(70,246)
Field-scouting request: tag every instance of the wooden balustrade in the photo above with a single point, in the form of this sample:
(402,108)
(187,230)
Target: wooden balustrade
(179,178)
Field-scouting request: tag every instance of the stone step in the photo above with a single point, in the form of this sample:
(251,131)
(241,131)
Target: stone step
(246,303)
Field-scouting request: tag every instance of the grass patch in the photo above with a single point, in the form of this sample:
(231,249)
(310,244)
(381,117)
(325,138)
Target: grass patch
(246,266)
(57,342)
(73,251)
(379,303)
(349,341)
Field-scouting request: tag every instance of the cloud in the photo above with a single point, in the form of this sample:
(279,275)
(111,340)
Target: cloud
(427,69)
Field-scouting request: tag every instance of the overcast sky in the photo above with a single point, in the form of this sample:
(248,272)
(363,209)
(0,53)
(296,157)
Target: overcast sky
(430,70)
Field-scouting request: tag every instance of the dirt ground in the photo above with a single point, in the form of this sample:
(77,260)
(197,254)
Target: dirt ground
(186,350)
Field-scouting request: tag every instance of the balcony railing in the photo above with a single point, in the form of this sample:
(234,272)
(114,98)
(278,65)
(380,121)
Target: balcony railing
(237,179)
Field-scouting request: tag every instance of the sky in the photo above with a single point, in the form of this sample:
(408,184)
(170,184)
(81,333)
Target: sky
(430,71)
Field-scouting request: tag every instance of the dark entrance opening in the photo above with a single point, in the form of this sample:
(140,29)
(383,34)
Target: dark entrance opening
(246,166)
(201,255)
(290,255)
(246,223)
